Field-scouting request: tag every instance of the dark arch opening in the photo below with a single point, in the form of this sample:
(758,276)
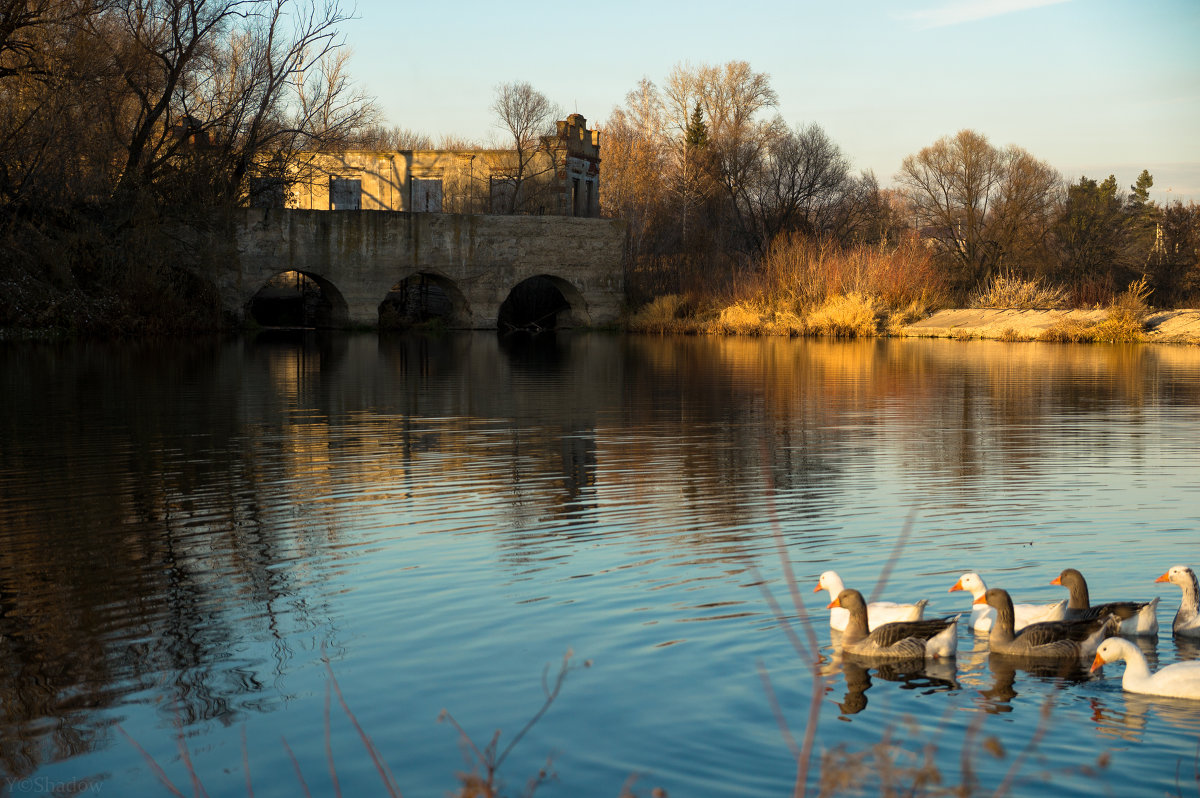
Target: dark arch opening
(539,304)
(293,299)
(422,300)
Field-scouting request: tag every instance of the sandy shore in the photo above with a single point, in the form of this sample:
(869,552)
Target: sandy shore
(1167,326)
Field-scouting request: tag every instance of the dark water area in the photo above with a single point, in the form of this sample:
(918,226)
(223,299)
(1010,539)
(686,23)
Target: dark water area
(190,531)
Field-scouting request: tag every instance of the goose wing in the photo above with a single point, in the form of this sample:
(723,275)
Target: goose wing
(1051,632)
(1122,609)
(890,634)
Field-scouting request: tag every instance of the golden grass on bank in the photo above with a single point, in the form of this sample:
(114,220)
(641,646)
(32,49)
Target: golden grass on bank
(852,315)
(806,273)
(805,287)
(1008,291)
(1124,322)
(664,314)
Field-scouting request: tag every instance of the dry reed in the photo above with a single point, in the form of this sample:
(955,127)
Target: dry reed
(1124,322)
(1008,291)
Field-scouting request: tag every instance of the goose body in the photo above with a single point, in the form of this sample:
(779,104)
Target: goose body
(1046,640)
(878,612)
(1181,680)
(933,638)
(1187,619)
(983,615)
(1137,617)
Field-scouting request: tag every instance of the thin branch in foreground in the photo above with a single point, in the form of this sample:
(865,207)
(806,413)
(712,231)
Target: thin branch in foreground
(246,764)
(777,711)
(389,781)
(337,788)
(154,766)
(296,767)
(894,557)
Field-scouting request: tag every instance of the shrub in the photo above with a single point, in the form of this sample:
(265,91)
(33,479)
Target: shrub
(1009,291)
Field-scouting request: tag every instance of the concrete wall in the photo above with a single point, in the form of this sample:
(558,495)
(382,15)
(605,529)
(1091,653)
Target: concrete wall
(358,256)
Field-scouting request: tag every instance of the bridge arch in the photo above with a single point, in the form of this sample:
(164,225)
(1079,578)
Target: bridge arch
(293,298)
(424,297)
(543,302)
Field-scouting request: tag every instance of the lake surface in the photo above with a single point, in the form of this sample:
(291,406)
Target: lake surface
(188,531)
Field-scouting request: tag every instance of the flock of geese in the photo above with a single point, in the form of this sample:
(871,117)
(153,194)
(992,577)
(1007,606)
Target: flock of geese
(1072,629)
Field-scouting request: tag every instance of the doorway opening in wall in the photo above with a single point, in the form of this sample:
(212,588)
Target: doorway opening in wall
(420,300)
(534,305)
(291,299)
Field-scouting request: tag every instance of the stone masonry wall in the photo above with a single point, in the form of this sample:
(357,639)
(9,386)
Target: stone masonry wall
(357,256)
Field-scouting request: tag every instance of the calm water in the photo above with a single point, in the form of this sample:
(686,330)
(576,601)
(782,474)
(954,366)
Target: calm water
(187,529)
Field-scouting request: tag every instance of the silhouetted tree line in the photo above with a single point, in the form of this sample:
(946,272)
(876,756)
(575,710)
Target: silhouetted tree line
(173,101)
(706,178)
(115,112)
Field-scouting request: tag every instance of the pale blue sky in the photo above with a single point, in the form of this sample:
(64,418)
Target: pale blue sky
(1092,86)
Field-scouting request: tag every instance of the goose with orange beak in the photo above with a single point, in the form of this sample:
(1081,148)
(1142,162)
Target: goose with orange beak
(983,616)
(933,638)
(878,612)
(1187,619)
(1062,640)
(1181,680)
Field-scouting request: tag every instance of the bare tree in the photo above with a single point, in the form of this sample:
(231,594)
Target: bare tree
(637,158)
(803,176)
(234,78)
(527,116)
(983,206)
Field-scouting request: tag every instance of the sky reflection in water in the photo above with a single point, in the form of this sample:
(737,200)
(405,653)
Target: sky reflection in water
(187,529)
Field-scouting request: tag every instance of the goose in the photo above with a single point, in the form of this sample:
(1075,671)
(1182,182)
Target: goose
(1181,680)
(1049,639)
(1137,617)
(983,616)
(878,612)
(924,639)
(1187,619)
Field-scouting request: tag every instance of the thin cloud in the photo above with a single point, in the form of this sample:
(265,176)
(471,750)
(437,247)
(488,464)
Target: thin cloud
(960,11)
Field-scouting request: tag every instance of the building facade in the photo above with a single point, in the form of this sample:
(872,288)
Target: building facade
(560,177)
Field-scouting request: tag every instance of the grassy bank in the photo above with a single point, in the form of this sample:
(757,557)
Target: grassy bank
(810,288)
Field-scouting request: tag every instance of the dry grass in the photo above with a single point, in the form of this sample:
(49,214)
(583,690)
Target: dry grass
(850,316)
(1124,322)
(1007,291)
(665,314)
(807,287)
(805,273)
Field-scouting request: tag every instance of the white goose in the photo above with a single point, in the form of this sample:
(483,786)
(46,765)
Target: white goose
(1187,619)
(878,612)
(983,615)
(1181,680)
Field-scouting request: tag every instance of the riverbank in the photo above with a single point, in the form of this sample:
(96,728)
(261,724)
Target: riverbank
(1166,326)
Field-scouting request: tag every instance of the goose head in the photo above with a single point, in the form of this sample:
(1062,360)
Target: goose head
(1178,574)
(849,599)
(1111,650)
(970,581)
(829,581)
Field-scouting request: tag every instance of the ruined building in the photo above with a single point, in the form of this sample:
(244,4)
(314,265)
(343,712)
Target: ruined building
(560,177)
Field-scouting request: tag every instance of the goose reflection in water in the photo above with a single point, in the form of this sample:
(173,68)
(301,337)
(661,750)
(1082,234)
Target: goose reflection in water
(913,674)
(997,699)
(1126,716)
(1186,649)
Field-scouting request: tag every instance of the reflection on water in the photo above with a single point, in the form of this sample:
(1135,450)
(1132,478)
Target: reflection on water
(925,676)
(185,527)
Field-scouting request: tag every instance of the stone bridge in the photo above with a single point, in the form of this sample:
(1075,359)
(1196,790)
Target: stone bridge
(358,257)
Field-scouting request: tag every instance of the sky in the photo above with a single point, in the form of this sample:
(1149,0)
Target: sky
(1093,87)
